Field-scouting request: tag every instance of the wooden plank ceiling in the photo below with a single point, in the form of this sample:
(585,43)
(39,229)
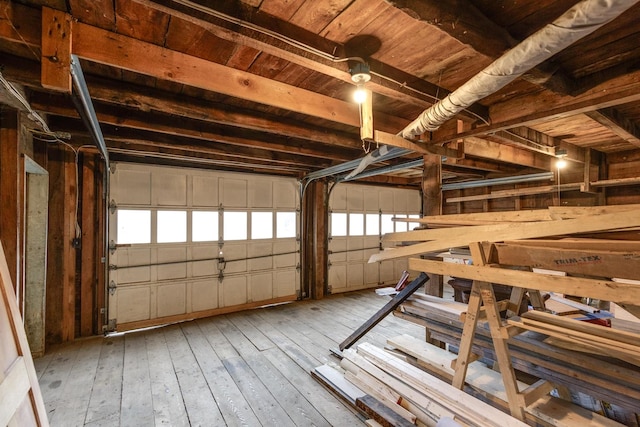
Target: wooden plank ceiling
(260,85)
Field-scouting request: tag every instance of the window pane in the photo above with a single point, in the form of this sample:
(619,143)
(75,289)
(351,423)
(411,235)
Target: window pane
(235,226)
(373,224)
(356,224)
(172,226)
(413,225)
(387,224)
(133,226)
(338,224)
(285,225)
(204,226)
(401,225)
(261,225)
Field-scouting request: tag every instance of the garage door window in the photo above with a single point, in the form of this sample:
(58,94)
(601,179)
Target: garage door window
(235,226)
(338,224)
(134,226)
(261,225)
(204,227)
(285,225)
(356,224)
(372,225)
(172,226)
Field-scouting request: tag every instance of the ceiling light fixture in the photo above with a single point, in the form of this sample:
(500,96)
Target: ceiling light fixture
(360,74)
(561,153)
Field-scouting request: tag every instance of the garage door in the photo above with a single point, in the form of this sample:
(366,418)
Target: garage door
(359,216)
(190,243)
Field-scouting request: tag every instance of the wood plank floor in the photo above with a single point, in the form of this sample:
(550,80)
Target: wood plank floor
(244,369)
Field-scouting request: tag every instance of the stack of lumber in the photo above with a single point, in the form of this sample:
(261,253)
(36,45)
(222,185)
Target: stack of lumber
(604,378)
(583,336)
(415,396)
(486,384)
(503,226)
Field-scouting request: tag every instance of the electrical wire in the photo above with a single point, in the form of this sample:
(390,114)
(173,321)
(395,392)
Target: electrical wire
(310,49)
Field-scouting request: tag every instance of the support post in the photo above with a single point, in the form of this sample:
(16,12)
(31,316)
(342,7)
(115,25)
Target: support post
(56,50)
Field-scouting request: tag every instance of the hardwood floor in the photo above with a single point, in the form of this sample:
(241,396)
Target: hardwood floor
(243,369)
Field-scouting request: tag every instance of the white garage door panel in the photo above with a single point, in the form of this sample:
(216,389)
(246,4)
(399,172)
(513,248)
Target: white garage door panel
(349,255)
(261,194)
(285,283)
(261,287)
(132,187)
(338,275)
(133,304)
(205,191)
(204,268)
(234,291)
(204,295)
(132,256)
(234,193)
(285,194)
(168,189)
(235,251)
(176,267)
(170,280)
(172,299)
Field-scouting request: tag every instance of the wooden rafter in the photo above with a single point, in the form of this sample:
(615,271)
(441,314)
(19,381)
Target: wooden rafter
(618,124)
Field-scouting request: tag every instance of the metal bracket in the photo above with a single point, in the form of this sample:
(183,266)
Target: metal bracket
(112,246)
(112,207)
(112,288)
(111,326)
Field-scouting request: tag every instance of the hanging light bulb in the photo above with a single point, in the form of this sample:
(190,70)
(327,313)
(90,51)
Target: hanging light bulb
(360,94)
(561,163)
(360,75)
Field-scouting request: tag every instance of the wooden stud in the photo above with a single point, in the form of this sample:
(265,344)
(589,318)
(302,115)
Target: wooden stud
(68,251)
(56,50)
(366,116)
(620,292)
(9,192)
(88,249)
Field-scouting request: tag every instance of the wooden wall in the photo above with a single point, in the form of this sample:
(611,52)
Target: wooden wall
(74,275)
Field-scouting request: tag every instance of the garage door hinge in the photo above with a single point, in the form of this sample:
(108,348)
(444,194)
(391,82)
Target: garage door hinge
(112,246)
(112,206)
(112,287)
(111,326)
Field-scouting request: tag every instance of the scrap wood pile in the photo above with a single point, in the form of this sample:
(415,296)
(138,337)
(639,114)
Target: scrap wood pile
(394,392)
(601,383)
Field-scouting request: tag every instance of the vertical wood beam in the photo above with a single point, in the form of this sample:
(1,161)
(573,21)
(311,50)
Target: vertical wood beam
(56,50)
(61,257)
(366,117)
(315,235)
(69,252)
(88,272)
(432,205)
(9,193)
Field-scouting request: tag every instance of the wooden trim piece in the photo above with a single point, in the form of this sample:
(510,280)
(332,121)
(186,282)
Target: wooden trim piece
(129,326)
(19,337)
(600,289)
(462,236)
(516,192)
(56,50)
(384,311)
(14,387)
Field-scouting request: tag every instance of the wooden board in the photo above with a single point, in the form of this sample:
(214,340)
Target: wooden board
(20,398)
(384,311)
(600,289)
(462,236)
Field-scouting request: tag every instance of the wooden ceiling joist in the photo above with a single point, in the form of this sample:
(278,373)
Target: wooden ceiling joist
(618,124)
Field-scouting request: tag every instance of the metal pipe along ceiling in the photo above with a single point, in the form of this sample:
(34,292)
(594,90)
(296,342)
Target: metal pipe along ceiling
(579,21)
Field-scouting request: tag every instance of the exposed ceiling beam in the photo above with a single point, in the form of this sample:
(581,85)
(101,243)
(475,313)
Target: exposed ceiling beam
(200,131)
(461,20)
(492,150)
(618,124)
(539,107)
(385,80)
(148,99)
